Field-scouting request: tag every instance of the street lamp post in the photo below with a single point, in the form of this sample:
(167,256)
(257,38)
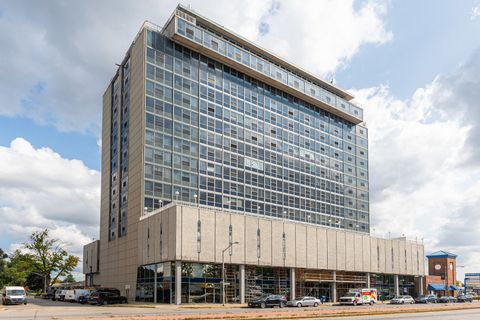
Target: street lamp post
(223,270)
(44,280)
(177,193)
(195,197)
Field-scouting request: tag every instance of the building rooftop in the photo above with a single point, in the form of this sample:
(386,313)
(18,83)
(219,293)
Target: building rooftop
(441,254)
(200,34)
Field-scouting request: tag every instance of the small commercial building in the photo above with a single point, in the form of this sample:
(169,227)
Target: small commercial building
(442,274)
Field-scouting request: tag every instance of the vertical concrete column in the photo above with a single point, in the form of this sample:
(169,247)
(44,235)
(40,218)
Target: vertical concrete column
(368,279)
(242,283)
(292,284)
(396,285)
(334,287)
(420,286)
(178,282)
(155,285)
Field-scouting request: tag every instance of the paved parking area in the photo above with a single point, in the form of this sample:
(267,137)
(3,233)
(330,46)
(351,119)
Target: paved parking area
(39,309)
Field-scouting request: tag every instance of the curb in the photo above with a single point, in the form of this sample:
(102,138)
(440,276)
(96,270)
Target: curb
(126,305)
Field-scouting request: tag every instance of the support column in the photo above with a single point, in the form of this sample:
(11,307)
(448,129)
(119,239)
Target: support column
(334,287)
(155,285)
(178,282)
(292,284)
(396,285)
(242,283)
(420,286)
(368,280)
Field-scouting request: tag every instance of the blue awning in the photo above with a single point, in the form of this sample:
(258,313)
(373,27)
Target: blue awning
(436,287)
(455,288)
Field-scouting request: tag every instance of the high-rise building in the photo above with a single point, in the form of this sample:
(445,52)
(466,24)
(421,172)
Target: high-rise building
(208,138)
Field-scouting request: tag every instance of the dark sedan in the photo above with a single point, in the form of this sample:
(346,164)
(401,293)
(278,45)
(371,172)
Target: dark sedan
(84,299)
(272,300)
(431,298)
(102,298)
(464,298)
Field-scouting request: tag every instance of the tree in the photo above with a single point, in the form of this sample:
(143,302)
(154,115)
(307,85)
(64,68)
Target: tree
(49,258)
(16,269)
(3,259)
(69,279)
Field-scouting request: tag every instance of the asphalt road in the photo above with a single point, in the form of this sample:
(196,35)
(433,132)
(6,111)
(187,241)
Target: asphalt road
(38,309)
(442,315)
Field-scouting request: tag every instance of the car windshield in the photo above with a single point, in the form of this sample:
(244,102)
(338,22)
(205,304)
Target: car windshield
(399,297)
(350,294)
(15,292)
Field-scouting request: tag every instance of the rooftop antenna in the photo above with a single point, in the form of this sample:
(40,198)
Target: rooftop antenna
(332,80)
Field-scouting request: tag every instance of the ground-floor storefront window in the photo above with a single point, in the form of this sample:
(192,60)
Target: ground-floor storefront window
(318,283)
(260,281)
(407,285)
(165,283)
(201,283)
(384,283)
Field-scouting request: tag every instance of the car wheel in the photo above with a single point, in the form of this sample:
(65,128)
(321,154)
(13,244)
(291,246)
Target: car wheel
(315,304)
(299,305)
(281,305)
(403,302)
(262,305)
(371,303)
(354,303)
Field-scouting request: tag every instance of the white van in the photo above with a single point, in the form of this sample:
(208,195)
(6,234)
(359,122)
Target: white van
(73,295)
(60,295)
(14,295)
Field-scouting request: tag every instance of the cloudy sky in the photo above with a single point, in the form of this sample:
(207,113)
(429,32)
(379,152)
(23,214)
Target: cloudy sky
(413,65)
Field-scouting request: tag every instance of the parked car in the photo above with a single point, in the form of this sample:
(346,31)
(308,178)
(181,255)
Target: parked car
(402,300)
(304,302)
(13,295)
(464,298)
(272,300)
(447,299)
(429,298)
(100,297)
(84,299)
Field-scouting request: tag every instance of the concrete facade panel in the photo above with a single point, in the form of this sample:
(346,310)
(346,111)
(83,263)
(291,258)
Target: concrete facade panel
(322,254)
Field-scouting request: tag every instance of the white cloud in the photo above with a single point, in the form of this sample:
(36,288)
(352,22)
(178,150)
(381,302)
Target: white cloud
(40,189)
(323,36)
(475,12)
(424,162)
(60,59)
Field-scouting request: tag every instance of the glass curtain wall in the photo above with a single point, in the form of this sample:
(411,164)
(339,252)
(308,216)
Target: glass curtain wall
(219,137)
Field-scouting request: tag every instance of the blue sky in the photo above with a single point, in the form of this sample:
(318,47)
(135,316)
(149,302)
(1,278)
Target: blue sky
(413,65)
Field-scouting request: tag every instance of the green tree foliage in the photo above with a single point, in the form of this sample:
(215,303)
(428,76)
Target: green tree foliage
(69,279)
(15,270)
(49,257)
(43,257)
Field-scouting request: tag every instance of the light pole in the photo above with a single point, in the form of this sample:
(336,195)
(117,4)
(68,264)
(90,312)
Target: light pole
(195,197)
(145,210)
(223,270)
(160,203)
(177,193)
(44,280)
